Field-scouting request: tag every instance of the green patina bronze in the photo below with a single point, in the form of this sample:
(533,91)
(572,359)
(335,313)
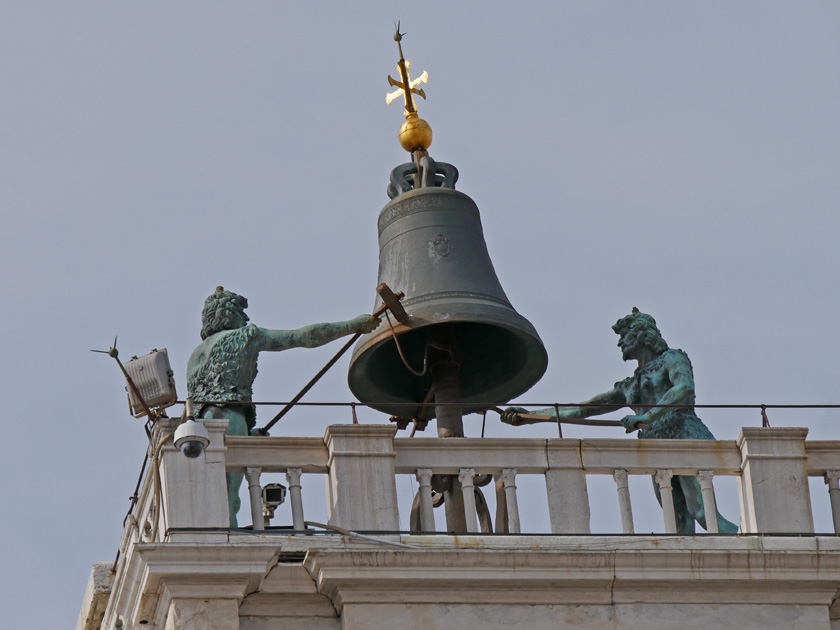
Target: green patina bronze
(663,377)
(223,368)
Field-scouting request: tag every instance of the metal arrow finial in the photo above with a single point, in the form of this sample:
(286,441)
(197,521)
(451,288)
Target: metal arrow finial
(112,351)
(398,37)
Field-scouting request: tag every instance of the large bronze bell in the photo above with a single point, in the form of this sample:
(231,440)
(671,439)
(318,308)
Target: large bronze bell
(431,247)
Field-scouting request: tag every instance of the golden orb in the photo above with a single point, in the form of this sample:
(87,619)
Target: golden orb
(415,133)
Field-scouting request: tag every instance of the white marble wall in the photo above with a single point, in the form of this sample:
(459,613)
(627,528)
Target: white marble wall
(678,616)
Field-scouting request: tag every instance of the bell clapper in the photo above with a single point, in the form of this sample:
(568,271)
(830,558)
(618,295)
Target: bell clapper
(447,388)
(447,395)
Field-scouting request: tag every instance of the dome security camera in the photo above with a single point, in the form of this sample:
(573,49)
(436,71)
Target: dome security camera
(192,438)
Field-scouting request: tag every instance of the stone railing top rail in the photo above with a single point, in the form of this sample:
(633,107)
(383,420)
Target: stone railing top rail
(526,455)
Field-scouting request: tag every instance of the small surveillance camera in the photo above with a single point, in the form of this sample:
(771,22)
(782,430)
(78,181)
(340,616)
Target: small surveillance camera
(273,495)
(192,438)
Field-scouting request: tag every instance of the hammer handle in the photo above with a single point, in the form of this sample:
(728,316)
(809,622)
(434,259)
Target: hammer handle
(584,421)
(392,297)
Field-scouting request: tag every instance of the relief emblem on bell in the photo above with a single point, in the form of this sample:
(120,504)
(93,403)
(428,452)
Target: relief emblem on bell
(440,246)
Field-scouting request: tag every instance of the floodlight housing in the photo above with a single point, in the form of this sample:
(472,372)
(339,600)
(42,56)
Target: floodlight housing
(153,377)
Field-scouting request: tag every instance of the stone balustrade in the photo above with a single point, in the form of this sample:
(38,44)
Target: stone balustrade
(179,558)
(361,464)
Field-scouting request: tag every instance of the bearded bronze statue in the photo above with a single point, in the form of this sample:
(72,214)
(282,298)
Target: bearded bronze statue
(663,377)
(221,371)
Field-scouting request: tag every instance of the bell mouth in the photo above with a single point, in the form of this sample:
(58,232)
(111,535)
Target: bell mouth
(502,363)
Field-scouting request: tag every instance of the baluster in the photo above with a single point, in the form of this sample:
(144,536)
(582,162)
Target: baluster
(624,506)
(253,476)
(663,479)
(831,478)
(509,482)
(293,479)
(427,515)
(709,507)
(466,477)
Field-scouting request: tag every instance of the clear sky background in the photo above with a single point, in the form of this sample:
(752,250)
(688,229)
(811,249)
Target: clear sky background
(682,158)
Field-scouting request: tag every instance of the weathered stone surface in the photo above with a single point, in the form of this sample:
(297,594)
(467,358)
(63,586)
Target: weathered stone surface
(96,596)
(202,614)
(568,501)
(289,623)
(195,490)
(550,617)
(774,483)
(486,617)
(705,616)
(362,492)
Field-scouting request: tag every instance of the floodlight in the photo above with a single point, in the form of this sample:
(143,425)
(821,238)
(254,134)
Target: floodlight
(153,378)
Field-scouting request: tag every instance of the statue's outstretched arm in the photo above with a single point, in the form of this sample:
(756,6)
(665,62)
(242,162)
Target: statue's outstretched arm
(597,405)
(602,403)
(314,335)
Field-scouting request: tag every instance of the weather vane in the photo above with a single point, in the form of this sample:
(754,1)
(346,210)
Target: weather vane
(415,133)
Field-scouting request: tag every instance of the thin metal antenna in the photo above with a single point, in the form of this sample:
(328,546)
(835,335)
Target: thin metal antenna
(112,352)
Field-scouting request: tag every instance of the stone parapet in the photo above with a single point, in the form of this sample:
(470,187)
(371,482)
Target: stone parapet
(265,580)
(362,491)
(774,480)
(96,596)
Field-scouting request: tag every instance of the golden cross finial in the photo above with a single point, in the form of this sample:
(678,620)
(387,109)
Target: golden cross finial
(415,133)
(412,83)
(407,86)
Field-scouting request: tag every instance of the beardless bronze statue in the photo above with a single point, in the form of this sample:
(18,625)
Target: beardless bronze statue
(663,377)
(222,369)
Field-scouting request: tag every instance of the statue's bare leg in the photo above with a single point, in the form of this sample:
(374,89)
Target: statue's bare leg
(236,426)
(682,514)
(694,500)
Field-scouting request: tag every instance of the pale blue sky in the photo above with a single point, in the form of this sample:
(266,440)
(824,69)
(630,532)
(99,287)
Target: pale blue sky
(678,157)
